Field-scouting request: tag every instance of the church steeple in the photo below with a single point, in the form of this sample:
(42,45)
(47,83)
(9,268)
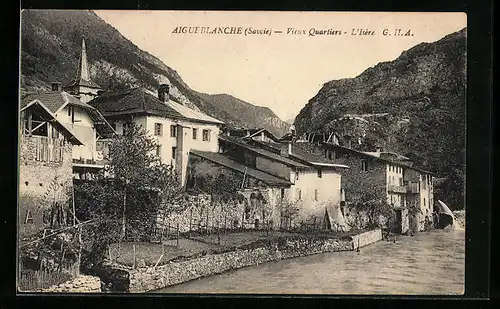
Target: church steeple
(82,86)
(83,69)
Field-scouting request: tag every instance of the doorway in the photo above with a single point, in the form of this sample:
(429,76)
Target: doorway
(399,220)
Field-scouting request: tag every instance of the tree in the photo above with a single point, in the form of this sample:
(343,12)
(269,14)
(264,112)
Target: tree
(140,186)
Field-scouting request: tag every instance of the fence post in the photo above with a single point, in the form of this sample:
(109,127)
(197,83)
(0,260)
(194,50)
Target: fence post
(133,265)
(190,219)
(177,234)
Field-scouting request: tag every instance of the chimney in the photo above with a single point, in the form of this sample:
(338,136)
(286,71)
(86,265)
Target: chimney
(163,92)
(56,86)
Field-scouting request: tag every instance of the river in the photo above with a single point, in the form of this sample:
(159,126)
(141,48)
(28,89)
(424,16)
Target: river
(431,263)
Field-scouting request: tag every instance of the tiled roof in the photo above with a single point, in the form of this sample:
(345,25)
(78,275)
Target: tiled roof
(262,152)
(139,100)
(366,154)
(54,101)
(236,166)
(39,108)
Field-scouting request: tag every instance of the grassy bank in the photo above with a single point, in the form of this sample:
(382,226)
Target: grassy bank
(197,245)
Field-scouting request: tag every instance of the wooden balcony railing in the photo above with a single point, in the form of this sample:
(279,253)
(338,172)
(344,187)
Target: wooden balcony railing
(413,187)
(47,150)
(397,189)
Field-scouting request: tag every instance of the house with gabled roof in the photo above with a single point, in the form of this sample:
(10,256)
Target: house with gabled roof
(312,186)
(177,128)
(85,121)
(381,176)
(45,170)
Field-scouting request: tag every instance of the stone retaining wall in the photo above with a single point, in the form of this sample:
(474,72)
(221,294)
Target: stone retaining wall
(150,279)
(80,284)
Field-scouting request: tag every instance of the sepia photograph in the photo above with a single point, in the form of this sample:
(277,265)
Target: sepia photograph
(241,152)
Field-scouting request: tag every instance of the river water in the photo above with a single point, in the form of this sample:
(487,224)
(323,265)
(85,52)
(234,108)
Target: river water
(431,263)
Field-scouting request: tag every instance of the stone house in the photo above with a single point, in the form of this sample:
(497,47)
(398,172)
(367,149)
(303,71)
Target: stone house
(383,176)
(84,121)
(45,170)
(177,128)
(310,186)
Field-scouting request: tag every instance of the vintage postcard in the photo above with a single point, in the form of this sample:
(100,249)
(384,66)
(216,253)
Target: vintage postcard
(242,152)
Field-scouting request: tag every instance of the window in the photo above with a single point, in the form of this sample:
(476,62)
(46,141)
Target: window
(158,151)
(400,181)
(158,129)
(195,133)
(320,173)
(174,151)
(299,195)
(282,194)
(206,135)
(330,155)
(424,202)
(364,165)
(113,125)
(173,131)
(316,195)
(297,175)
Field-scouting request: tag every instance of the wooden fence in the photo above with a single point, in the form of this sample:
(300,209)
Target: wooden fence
(35,280)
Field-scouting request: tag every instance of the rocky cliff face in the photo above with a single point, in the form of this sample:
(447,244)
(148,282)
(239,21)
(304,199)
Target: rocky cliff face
(50,47)
(423,94)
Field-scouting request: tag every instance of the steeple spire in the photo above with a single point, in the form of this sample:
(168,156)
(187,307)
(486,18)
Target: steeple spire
(82,86)
(83,69)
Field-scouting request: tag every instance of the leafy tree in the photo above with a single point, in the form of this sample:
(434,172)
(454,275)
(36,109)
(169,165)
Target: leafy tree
(140,187)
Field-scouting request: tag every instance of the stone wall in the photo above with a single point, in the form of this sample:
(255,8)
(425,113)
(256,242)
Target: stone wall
(150,279)
(366,238)
(80,284)
(41,185)
(202,213)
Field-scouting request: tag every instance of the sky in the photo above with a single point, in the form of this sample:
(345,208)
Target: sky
(279,71)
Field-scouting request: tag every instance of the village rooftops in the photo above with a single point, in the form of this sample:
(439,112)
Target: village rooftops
(301,151)
(250,133)
(55,101)
(44,112)
(223,160)
(141,101)
(264,153)
(377,157)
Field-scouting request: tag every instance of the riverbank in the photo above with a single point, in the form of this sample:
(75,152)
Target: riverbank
(150,279)
(429,263)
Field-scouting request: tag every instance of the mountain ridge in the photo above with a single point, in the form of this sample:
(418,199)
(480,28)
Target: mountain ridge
(51,43)
(422,91)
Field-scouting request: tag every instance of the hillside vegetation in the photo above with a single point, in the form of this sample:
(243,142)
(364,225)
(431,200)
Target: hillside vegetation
(50,49)
(424,93)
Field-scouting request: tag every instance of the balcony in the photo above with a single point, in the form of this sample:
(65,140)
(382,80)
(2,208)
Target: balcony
(413,187)
(397,189)
(88,163)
